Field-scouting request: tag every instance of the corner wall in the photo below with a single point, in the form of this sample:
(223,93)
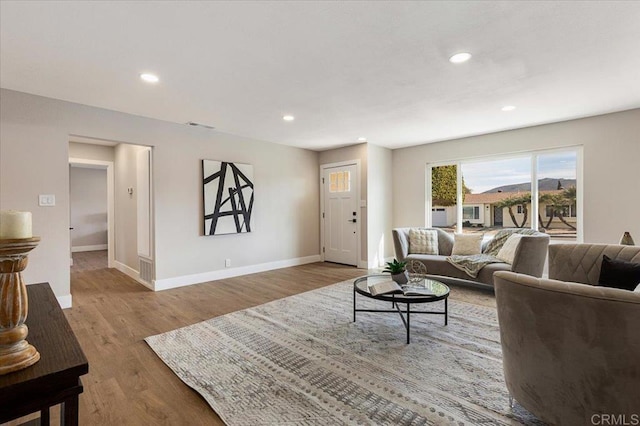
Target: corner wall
(34,151)
(380,205)
(611,172)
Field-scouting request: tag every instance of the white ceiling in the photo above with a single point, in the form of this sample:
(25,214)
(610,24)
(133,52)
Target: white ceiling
(343,69)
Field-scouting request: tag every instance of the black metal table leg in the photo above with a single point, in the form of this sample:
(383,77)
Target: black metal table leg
(408,322)
(354,305)
(446,311)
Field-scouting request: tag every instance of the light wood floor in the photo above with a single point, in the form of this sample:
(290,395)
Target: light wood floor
(112,314)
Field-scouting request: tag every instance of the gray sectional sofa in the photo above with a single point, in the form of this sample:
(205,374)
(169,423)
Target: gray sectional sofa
(529,258)
(571,348)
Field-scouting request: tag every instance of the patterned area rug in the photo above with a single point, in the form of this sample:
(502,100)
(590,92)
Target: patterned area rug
(302,360)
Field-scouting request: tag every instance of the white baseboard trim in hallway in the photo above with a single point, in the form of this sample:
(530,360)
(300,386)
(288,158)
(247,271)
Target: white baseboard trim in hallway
(96,247)
(185,280)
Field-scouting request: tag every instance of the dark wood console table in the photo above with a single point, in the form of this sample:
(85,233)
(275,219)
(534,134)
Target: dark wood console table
(55,379)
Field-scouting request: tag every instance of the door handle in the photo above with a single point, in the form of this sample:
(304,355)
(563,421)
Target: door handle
(351,220)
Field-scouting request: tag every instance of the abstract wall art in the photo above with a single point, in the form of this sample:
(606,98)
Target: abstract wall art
(228,197)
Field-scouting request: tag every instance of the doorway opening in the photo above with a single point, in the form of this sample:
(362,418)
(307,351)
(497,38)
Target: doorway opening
(91,211)
(111,208)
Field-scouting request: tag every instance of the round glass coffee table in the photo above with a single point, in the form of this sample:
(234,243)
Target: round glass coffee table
(439,291)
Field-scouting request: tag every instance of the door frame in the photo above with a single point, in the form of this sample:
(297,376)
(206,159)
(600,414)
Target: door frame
(323,167)
(99,164)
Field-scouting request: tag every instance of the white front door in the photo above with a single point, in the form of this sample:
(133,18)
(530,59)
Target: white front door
(341,218)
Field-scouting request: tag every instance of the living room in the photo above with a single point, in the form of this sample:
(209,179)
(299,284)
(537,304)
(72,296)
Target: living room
(565,67)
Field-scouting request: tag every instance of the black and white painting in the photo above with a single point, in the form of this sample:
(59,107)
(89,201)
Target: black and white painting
(228,197)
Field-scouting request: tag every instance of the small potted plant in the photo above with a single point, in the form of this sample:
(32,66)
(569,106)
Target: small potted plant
(398,272)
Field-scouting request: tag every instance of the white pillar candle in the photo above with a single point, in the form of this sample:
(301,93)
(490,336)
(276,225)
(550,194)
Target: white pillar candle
(15,225)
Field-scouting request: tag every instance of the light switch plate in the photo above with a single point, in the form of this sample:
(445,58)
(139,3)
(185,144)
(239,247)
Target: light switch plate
(47,200)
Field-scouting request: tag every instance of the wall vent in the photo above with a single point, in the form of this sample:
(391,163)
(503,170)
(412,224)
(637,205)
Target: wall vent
(194,124)
(146,269)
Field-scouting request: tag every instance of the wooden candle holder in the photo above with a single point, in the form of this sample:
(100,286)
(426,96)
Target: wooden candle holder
(15,352)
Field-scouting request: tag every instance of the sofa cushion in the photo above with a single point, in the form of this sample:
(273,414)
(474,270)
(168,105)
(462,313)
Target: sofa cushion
(486,274)
(508,251)
(467,244)
(619,273)
(423,241)
(438,265)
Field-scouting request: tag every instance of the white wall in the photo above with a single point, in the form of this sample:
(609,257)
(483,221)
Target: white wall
(89,151)
(34,151)
(611,173)
(379,205)
(88,203)
(126,205)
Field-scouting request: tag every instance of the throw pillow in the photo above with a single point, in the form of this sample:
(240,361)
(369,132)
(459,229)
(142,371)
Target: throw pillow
(495,244)
(466,244)
(423,241)
(619,273)
(637,290)
(508,251)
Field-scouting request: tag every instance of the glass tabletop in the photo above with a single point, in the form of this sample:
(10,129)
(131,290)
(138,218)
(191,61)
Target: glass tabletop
(438,289)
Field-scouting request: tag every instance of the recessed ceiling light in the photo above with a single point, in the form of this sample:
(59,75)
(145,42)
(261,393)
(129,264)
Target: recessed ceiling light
(459,58)
(508,108)
(288,117)
(149,78)
(362,139)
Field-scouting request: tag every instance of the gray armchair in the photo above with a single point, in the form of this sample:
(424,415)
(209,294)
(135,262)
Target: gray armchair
(571,350)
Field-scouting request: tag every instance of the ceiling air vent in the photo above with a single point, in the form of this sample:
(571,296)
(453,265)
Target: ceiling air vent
(194,124)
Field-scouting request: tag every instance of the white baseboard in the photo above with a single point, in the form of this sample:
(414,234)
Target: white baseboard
(363,264)
(64,301)
(175,282)
(96,247)
(127,270)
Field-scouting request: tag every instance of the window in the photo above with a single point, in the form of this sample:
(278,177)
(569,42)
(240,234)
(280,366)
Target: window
(502,184)
(444,196)
(549,210)
(471,213)
(567,211)
(502,188)
(340,181)
(557,182)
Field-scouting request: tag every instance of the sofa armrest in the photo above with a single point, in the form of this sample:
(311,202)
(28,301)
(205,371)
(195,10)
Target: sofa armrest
(401,243)
(531,255)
